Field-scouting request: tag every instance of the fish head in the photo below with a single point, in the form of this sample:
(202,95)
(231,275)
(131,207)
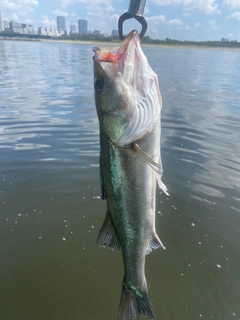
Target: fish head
(113,77)
(122,78)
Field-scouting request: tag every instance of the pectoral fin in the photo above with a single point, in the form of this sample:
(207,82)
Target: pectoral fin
(107,236)
(157,167)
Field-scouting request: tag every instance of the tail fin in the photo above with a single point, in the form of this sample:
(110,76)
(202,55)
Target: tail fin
(134,303)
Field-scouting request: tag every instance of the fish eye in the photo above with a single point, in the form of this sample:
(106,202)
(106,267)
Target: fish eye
(98,83)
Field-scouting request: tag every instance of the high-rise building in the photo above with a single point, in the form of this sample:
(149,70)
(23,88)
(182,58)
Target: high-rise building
(1,25)
(6,26)
(115,33)
(28,28)
(41,31)
(82,26)
(73,28)
(61,23)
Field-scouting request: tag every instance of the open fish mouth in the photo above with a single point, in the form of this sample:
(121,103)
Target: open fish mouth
(113,55)
(127,60)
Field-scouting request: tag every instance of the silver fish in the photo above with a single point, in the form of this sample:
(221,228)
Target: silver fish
(128,103)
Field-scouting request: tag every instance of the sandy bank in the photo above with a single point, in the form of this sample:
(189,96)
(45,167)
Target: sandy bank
(116,44)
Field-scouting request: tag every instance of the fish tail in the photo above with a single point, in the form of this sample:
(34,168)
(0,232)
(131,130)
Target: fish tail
(134,303)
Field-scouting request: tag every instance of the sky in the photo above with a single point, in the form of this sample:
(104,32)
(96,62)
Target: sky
(197,20)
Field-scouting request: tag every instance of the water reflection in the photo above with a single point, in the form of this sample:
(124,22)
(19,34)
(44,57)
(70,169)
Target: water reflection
(203,128)
(33,100)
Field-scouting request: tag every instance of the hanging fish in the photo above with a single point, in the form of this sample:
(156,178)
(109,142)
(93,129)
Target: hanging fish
(128,103)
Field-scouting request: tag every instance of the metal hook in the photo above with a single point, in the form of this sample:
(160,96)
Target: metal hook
(136,7)
(135,10)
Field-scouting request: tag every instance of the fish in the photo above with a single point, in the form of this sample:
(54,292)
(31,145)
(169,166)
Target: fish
(128,103)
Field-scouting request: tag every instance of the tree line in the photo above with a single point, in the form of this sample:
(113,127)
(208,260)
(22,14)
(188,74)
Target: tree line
(104,38)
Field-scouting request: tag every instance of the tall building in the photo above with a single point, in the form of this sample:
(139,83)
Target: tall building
(73,28)
(41,31)
(1,25)
(6,26)
(61,23)
(28,28)
(115,33)
(82,26)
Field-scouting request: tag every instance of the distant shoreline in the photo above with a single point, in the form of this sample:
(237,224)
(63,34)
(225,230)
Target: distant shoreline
(116,44)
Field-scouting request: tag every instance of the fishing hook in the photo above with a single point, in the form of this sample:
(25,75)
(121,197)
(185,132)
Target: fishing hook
(135,10)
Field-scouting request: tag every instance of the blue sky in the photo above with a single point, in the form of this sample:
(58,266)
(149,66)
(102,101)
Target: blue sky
(177,19)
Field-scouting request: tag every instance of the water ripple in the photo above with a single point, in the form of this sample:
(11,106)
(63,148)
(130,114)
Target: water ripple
(50,190)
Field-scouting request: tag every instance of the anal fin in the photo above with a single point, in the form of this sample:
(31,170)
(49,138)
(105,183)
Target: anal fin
(107,236)
(155,243)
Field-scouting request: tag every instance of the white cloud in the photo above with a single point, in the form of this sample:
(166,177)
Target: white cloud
(213,24)
(28,21)
(197,25)
(146,10)
(23,13)
(207,6)
(235,15)
(29,2)
(15,17)
(12,9)
(175,23)
(98,10)
(114,17)
(66,3)
(101,16)
(60,13)
(60,3)
(46,22)
(109,8)
(18,4)
(232,4)
(155,20)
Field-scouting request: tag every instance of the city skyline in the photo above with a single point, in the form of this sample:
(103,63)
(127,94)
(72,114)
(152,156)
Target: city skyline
(197,20)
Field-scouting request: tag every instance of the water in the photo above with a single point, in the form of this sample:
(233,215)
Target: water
(50,207)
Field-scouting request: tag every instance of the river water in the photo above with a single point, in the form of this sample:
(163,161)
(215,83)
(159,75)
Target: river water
(50,207)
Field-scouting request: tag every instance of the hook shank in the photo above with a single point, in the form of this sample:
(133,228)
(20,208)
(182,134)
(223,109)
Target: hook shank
(135,10)
(136,7)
